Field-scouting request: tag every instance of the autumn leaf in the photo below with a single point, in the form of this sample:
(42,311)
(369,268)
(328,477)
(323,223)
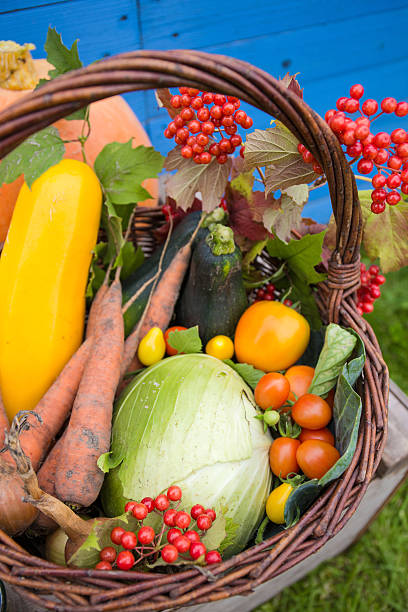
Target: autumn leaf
(282,216)
(294,171)
(291,83)
(271,146)
(208,179)
(385,235)
(163,97)
(241,216)
(298,193)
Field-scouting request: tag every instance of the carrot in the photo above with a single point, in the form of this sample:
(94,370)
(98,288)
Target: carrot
(160,307)
(94,311)
(54,407)
(4,422)
(78,478)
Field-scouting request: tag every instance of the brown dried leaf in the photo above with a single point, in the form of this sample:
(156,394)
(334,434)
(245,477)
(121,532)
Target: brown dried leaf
(163,97)
(294,171)
(245,217)
(291,83)
(282,216)
(271,146)
(208,179)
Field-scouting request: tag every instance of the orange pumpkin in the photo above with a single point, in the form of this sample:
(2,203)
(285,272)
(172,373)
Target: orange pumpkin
(112,120)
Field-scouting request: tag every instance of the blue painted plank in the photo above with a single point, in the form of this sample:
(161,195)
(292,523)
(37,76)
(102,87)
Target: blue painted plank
(9,6)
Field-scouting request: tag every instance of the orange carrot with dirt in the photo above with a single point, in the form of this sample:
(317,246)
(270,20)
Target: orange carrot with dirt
(160,307)
(94,310)
(78,479)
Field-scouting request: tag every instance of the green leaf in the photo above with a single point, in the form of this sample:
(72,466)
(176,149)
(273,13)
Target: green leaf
(385,235)
(346,414)
(311,355)
(231,530)
(33,157)
(130,259)
(186,340)
(283,216)
(251,375)
(244,183)
(301,498)
(64,60)
(338,346)
(267,530)
(288,173)
(87,555)
(112,222)
(271,146)
(96,271)
(122,169)
(208,179)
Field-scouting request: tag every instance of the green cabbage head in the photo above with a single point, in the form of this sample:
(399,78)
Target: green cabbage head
(190,420)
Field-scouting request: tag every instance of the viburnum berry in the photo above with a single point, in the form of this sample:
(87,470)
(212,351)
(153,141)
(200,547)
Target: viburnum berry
(172,534)
(382,140)
(130,505)
(182,519)
(125,560)
(186,152)
(182,543)
(197,550)
(161,502)
(365,166)
(378,195)
(103,565)
(196,511)
(208,127)
(381,157)
(204,522)
(197,103)
(140,512)
(116,535)
(169,553)
(357,91)
(398,136)
(394,162)
(369,107)
(145,535)
(369,290)
(222,158)
(393,198)
(341,102)
(169,517)
(174,493)
(108,554)
(378,181)
(377,207)
(129,540)
(401,109)
(394,181)
(212,557)
(351,106)
(187,114)
(149,503)
(193,536)
(402,150)
(388,105)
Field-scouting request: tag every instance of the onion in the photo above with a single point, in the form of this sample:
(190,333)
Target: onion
(15,514)
(55,547)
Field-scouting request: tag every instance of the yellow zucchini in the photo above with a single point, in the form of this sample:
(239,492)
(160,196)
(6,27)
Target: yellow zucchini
(43,275)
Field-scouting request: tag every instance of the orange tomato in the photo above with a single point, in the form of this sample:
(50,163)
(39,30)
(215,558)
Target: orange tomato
(316,457)
(282,457)
(271,336)
(169,349)
(272,391)
(311,411)
(323,434)
(299,377)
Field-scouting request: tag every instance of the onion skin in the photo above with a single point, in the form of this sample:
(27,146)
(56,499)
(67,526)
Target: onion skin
(15,515)
(55,547)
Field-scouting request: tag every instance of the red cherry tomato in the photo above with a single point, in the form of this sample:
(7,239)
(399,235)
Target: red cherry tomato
(169,349)
(282,457)
(317,434)
(299,377)
(316,457)
(272,391)
(311,411)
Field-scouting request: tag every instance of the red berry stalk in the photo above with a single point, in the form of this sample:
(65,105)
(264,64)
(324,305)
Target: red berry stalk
(206,125)
(382,153)
(145,544)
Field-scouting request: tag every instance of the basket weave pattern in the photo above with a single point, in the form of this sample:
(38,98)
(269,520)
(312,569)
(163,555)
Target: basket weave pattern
(52,587)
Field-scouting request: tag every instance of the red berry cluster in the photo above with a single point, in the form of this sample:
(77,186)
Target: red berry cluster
(369,291)
(176,528)
(270,293)
(203,115)
(386,154)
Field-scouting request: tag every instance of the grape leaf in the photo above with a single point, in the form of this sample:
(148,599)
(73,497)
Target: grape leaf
(385,235)
(33,157)
(246,209)
(185,340)
(251,375)
(208,179)
(298,193)
(338,346)
(271,146)
(122,169)
(130,259)
(292,171)
(283,215)
(291,83)
(63,60)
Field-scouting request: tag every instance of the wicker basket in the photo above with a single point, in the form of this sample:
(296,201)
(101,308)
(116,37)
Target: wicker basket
(51,587)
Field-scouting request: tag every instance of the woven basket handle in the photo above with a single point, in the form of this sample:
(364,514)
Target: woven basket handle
(153,69)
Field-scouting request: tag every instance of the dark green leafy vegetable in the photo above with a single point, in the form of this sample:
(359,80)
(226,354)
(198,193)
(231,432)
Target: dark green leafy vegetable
(338,346)
(300,500)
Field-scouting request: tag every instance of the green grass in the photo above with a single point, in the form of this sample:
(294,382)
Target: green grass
(372,575)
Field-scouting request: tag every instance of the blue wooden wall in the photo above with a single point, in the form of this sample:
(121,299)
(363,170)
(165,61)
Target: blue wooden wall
(331,43)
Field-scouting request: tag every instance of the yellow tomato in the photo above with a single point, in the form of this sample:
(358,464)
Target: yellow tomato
(221,347)
(271,336)
(152,347)
(275,504)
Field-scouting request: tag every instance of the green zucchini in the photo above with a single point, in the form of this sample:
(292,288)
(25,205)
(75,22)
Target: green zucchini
(213,296)
(180,237)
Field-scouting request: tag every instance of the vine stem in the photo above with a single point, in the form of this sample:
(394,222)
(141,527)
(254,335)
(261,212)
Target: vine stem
(362,178)
(262,175)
